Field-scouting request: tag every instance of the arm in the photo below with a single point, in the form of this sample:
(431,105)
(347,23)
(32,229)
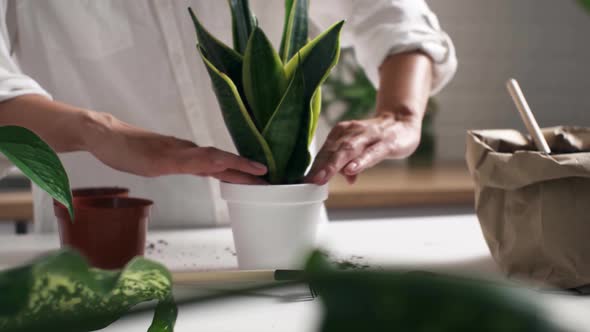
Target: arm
(394,131)
(121,146)
(408,57)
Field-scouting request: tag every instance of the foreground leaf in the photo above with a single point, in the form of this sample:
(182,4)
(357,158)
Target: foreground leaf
(282,129)
(395,301)
(37,161)
(66,294)
(264,78)
(295,31)
(585,3)
(245,135)
(243,23)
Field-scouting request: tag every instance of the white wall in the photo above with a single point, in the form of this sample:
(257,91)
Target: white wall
(545,44)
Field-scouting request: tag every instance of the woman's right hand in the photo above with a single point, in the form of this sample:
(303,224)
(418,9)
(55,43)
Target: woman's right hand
(126,148)
(134,150)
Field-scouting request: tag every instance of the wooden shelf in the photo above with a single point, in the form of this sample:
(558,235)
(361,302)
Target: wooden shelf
(395,186)
(380,187)
(16,206)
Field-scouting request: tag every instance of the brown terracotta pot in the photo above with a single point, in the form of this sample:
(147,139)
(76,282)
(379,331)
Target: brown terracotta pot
(108,231)
(99,192)
(95,192)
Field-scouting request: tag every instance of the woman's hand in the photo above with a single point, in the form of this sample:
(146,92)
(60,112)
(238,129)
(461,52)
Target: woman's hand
(137,151)
(354,146)
(121,146)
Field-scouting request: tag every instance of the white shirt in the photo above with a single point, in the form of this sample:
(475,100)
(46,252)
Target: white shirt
(137,60)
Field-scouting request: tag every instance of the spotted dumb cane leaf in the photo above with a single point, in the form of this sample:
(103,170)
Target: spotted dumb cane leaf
(264,78)
(245,135)
(37,161)
(243,23)
(66,294)
(295,31)
(282,129)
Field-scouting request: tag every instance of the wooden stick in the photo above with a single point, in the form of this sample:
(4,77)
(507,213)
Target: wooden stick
(527,116)
(198,277)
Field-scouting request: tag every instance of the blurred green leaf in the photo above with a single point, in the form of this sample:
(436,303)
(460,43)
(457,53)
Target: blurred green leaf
(37,161)
(245,135)
(67,294)
(243,23)
(264,78)
(585,3)
(295,31)
(420,301)
(281,130)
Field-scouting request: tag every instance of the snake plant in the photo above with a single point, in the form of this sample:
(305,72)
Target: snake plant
(270,100)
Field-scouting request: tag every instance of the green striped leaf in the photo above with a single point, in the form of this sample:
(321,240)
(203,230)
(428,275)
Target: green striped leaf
(282,129)
(37,161)
(317,58)
(316,109)
(221,56)
(264,78)
(243,23)
(245,135)
(295,31)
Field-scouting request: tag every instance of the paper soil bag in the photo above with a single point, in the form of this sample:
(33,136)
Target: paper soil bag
(534,209)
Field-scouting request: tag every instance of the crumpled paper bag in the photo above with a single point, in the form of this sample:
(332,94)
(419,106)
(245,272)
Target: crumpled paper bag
(534,209)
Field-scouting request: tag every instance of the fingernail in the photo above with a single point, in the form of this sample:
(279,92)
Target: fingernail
(353,166)
(320,176)
(258,165)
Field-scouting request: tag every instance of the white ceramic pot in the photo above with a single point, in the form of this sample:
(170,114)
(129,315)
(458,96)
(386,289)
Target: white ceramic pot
(274,227)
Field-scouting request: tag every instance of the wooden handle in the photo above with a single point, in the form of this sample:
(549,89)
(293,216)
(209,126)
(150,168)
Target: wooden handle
(527,116)
(200,277)
(192,277)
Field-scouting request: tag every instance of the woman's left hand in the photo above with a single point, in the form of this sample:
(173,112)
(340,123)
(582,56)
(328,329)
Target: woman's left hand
(394,133)
(354,146)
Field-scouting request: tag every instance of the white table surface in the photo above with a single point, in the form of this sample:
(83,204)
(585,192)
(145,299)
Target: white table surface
(449,244)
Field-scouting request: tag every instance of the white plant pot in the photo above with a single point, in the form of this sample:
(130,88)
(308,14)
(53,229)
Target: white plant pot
(274,226)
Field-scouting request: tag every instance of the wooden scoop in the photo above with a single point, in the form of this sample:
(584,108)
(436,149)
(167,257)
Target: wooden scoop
(527,116)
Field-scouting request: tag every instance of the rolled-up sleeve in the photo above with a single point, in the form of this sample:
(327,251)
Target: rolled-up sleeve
(13,82)
(379,28)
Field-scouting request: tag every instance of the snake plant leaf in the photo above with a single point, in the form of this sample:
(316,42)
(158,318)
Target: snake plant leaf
(295,31)
(66,294)
(243,23)
(319,57)
(37,161)
(282,129)
(220,55)
(316,59)
(264,78)
(245,135)
(316,109)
